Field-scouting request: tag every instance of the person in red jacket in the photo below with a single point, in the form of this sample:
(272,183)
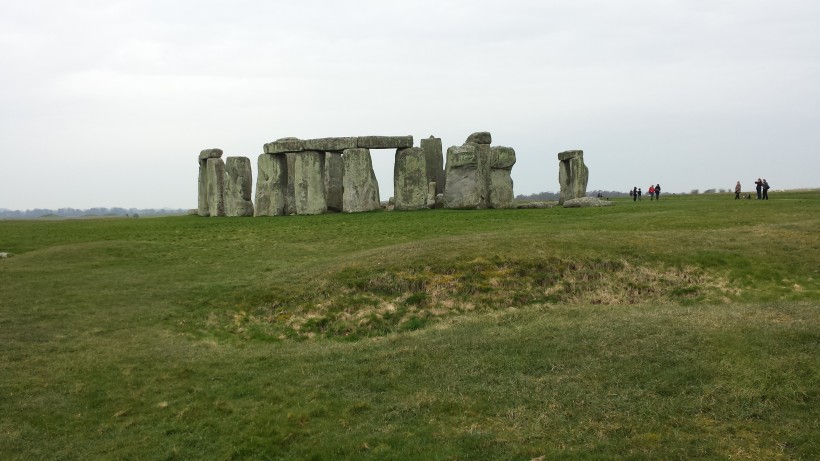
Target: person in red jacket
(651,192)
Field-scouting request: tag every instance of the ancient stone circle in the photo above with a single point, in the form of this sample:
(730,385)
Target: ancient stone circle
(314,176)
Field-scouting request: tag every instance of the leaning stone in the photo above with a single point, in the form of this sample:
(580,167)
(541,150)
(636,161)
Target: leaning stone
(215,182)
(334,180)
(360,187)
(435,162)
(481,137)
(330,144)
(384,142)
(309,183)
(586,202)
(284,145)
(271,185)
(572,175)
(410,179)
(238,187)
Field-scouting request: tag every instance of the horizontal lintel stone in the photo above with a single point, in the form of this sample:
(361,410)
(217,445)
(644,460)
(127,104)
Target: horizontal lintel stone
(284,145)
(330,144)
(210,153)
(385,142)
(568,154)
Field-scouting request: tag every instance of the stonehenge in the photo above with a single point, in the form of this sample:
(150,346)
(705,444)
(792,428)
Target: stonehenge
(314,176)
(478,175)
(572,175)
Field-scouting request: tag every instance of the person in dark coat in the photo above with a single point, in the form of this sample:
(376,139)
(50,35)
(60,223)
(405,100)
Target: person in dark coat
(759,188)
(765,190)
(657,192)
(737,191)
(634,193)
(639,193)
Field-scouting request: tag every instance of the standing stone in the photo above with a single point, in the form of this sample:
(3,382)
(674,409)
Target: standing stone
(334,180)
(435,162)
(202,194)
(215,174)
(462,189)
(271,185)
(360,187)
(573,175)
(500,190)
(290,194)
(410,179)
(238,187)
(309,182)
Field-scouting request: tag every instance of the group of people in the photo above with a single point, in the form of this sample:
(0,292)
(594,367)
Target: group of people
(654,192)
(761,186)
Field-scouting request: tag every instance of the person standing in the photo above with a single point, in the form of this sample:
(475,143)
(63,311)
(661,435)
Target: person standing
(635,194)
(651,192)
(765,190)
(657,191)
(639,193)
(759,188)
(737,191)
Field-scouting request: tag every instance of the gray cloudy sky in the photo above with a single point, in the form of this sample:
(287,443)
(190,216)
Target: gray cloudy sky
(108,103)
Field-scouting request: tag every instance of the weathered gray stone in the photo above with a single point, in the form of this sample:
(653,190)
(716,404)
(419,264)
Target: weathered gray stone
(284,145)
(481,137)
(330,144)
(271,185)
(586,202)
(361,189)
(215,186)
(334,181)
(573,175)
(435,162)
(500,188)
(202,190)
(535,205)
(410,179)
(384,142)
(210,153)
(238,187)
(463,182)
(309,183)
(431,195)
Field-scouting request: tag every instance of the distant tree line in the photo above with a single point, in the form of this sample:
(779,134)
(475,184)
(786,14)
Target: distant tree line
(89,212)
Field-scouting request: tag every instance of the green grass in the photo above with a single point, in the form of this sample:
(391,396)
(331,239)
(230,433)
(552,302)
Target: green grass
(680,329)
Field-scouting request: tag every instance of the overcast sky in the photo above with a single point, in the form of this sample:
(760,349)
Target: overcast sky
(108,103)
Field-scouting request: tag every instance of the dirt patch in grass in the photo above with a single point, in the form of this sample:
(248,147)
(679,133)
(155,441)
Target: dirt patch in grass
(364,301)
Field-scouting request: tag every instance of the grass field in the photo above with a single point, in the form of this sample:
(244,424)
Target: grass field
(687,328)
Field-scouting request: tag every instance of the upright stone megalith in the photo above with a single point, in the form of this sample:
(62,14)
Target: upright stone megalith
(215,185)
(309,182)
(573,175)
(478,174)
(361,189)
(238,187)
(334,180)
(202,193)
(410,179)
(500,190)
(271,185)
(462,189)
(435,162)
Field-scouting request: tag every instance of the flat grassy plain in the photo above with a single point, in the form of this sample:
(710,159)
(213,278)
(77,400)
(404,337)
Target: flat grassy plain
(687,328)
